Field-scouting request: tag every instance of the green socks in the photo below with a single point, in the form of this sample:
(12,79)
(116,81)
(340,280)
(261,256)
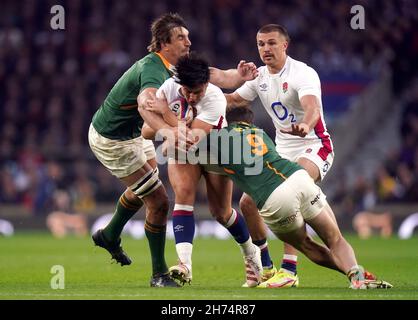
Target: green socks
(156,240)
(125,209)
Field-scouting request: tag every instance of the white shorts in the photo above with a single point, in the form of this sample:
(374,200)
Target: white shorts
(295,201)
(308,151)
(121,157)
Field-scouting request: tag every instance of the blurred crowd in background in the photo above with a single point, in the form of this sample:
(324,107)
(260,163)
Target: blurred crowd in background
(53,81)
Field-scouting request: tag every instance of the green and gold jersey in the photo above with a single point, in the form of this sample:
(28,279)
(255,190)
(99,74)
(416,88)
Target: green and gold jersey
(249,157)
(118,117)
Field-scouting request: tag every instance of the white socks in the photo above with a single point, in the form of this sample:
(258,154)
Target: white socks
(184,252)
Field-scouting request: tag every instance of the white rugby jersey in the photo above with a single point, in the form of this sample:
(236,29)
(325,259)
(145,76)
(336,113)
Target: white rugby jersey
(210,109)
(280,95)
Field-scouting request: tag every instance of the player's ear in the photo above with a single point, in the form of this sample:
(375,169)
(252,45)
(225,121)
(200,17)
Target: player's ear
(164,46)
(285,45)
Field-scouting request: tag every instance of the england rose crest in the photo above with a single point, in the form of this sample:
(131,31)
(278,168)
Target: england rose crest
(285,86)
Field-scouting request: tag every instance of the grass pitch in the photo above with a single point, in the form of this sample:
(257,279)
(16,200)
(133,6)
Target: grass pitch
(218,271)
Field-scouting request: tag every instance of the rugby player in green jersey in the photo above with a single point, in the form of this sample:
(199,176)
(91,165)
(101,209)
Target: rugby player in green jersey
(115,139)
(286,196)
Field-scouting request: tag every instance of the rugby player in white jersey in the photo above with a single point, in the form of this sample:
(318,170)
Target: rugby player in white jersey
(191,88)
(290,91)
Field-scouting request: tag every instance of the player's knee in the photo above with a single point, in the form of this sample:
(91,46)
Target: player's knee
(221,215)
(158,205)
(132,197)
(184,193)
(161,209)
(247,205)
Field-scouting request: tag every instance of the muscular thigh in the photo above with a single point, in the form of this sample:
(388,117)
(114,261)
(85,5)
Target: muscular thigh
(219,190)
(184,179)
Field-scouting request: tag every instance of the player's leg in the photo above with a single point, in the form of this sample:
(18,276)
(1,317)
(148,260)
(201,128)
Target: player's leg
(114,156)
(317,168)
(219,190)
(337,254)
(290,258)
(258,233)
(145,184)
(122,159)
(341,251)
(289,261)
(184,179)
(308,204)
(131,162)
(128,203)
(126,207)
(282,213)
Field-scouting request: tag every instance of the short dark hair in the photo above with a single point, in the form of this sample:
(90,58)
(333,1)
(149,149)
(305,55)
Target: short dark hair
(161,30)
(275,28)
(192,71)
(240,114)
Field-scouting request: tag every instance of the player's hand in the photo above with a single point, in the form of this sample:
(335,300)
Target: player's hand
(300,129)
(247,70)
(188,121)
(157,105)
(178,142)
(182,137)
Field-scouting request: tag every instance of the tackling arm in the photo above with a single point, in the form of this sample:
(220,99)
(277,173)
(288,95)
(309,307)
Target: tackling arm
(153,119)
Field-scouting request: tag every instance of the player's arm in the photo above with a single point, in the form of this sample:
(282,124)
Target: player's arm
(233,78)
(153,119)
(155,111)
(234,100)
(147,132)
(159,105)
(312,113)
(200,129)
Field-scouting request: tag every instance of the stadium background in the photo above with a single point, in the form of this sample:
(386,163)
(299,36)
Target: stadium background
(52,82)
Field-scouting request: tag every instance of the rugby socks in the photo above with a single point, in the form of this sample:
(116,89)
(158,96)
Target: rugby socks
(265,256)
(183,223)
(125,209)
(156,240)
(184,229)
(238,229)
(289,263)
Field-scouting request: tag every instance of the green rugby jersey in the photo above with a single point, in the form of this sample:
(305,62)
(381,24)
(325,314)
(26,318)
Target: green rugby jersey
(250,150)
(118,117)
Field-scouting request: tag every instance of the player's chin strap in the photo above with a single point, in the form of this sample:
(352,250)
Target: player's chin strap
(146,184)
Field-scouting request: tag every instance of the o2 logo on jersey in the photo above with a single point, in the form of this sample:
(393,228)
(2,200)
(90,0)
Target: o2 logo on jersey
(282,113)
